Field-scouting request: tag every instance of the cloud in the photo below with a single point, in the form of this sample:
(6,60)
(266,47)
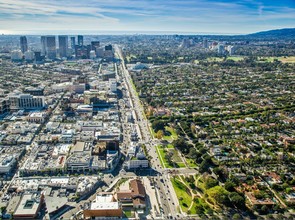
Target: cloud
(149,15)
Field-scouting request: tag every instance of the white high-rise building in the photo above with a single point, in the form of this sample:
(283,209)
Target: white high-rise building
(29,56)
(231,50)
(16,55)
(92,54)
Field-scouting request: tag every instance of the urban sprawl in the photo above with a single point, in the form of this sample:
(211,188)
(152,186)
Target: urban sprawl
(147,127)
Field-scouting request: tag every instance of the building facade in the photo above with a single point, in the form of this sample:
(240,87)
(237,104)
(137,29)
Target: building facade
(26,102)
(23,44)
(48,46)
(80,40)
(63,45)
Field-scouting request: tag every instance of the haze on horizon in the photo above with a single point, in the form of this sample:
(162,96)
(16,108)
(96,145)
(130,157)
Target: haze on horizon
(132,16)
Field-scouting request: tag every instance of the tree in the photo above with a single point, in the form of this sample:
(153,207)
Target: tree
(158,125)
(264,209)
(160,134)
(236,199)
(203,166)
(210,182)
(219,194)
(199,209)
(236,216)
(192,153)
(229,186)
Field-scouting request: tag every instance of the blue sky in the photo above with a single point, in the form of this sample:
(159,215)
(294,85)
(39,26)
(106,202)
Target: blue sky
(176,16)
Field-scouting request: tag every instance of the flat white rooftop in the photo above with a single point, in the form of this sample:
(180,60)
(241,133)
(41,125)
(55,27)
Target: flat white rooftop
(104,202)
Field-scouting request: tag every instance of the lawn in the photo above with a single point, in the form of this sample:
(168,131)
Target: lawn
(199,207)
(289,59)
(235,58)
(128,213)
(161,155)
(171,134)
(175,157)
(214,59)
(191,163)
(181,191)
(201,185)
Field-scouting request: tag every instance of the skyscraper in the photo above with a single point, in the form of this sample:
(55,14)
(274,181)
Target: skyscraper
(95,45)
(82,52)
(80,40)
(23,44)
(63,45)
(50,47)
(73,42)
(43,45)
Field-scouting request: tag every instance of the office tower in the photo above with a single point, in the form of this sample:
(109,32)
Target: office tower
(50,47)
(73,42)
(80,40)
(231,50)
(108,47)
(16,55)
(95,45)
(205,43)
(29,56)
(82,52)
(108,52)
(38,57)
(92,54)
(23,44)
(43,45)
(63,45)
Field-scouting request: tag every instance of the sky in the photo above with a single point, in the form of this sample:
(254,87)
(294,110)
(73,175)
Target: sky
(144,16)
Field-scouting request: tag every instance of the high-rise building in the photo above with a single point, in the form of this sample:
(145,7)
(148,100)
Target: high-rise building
(82,52)
(63,45)
(16,55)
(73,42)
(38,57)
(29,56)
(231,50)
(92,54)
(95,45)
(23,44)
(80,40)
(220,48)
(108,47)
(50,47)
(205,43)
(108,52)
(43,45)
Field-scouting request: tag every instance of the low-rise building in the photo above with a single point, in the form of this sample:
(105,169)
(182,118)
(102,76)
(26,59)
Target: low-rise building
(26,102)
(135,196)
(36,117)
(103,207)
(29,206)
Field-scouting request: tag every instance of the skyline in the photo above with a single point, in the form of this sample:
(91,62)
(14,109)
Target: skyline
(129,16)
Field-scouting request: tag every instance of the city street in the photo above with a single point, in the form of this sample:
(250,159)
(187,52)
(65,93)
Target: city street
(165,192)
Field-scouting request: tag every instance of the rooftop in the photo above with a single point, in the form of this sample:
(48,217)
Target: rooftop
(104,201)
